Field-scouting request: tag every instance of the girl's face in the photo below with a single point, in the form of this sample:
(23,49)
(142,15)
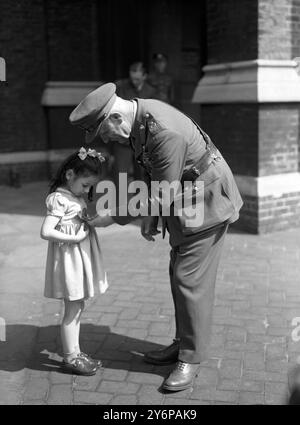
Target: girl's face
(79,185)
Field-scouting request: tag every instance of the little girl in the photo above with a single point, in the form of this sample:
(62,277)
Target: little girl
(74,269)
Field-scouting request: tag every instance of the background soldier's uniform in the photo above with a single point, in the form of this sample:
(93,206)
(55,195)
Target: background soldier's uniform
(164,86)
(172,145)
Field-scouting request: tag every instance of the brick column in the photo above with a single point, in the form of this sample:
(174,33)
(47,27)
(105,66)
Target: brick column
(250,96)
(22,120)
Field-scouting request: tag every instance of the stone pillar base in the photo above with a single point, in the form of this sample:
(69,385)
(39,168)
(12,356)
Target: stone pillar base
(270,203)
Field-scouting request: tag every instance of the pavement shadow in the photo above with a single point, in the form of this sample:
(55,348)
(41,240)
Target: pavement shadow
(39,348)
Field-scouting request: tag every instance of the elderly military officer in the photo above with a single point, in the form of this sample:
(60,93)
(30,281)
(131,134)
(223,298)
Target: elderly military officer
(173,148)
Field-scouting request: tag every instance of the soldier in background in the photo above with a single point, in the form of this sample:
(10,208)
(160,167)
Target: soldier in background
(161,80)
(136,84)
(129,88)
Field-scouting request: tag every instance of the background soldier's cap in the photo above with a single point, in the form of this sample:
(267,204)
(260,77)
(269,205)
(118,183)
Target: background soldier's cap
(93,109)
(157,57)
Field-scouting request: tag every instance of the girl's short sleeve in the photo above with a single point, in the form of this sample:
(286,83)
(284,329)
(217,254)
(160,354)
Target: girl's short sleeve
(56,205)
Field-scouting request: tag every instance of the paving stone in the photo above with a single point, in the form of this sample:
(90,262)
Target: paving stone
(144,378)
(61,378)
(130,313)
(148,395)
(37,389)
(124,400)
(255,386)
(60,394)
(114,374)
(251,398)
(182,401)
(236,334)
(114,355)
(88,383)
(275,387)
(277,366)
(137,324)
(254,361)
(229,384)
(109,319)
(237,355)
(34,402)
(206,377)
(159,329)
(214,395)
(138,333)
(275,398)
(118,387)
(91,397)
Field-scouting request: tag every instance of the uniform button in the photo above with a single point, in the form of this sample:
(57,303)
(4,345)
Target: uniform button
(142,127)
(147,115)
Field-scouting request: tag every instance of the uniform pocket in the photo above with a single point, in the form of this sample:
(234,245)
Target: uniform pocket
(214,206)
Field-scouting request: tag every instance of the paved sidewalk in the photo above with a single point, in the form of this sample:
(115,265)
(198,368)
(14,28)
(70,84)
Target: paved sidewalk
(257,297)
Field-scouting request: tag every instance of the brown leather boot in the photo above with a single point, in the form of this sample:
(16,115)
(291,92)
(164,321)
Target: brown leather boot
(181,377)
(165,356)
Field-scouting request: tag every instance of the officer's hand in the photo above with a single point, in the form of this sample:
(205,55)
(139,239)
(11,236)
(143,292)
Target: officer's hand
(100,221)
(149,228)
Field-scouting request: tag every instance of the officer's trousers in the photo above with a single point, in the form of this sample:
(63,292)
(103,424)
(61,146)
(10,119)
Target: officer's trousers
(193,271)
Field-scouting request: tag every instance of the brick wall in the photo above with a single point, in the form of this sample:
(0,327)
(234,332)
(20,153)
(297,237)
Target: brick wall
(251,29)
(256,139)
(234,130)
(62,134)
(17,174)
(70,40)
(278,138)
(269,214)
(275,29)
(231,30)
(22,44)
(295,27)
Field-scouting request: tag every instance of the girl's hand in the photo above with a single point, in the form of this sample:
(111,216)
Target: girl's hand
(82,233)
(100,221)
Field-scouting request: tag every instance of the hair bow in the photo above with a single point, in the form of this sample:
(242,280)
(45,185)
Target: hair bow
(83,153)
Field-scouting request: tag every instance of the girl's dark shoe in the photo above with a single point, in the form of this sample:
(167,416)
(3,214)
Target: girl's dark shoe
(79,366)
(90,360)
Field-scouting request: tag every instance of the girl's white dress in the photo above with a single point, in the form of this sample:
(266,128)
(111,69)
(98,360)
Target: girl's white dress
(74,271)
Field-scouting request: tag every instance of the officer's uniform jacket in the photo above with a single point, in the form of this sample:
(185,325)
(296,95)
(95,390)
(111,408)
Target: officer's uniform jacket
(169,144)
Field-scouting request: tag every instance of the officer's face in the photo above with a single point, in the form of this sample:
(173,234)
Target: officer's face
(115,128)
